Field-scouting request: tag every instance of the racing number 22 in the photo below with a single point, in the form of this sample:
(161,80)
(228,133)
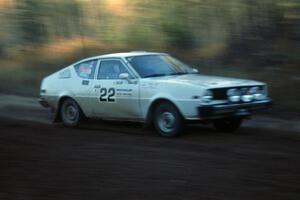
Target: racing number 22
(107,94)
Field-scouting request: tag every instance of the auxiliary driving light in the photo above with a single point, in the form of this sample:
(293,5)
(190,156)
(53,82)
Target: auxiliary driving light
(247,98)
(258,94)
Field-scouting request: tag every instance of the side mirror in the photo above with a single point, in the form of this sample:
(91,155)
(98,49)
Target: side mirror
(124,76)
(195,70)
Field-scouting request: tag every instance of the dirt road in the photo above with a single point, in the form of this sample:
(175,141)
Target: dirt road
(108,160)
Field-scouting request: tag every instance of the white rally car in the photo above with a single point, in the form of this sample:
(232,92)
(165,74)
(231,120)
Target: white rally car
(153,88)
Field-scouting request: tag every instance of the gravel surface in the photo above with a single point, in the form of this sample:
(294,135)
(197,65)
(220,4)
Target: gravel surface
(110,160)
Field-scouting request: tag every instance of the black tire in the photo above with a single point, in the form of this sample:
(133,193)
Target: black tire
(167,120)
(71,114)
(228,125)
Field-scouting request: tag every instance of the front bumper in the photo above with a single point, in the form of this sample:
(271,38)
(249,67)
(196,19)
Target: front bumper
(242,109)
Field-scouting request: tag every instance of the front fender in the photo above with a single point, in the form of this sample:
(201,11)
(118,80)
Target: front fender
(187,107)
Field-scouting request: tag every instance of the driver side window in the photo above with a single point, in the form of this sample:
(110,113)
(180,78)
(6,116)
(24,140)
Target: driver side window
(111,69)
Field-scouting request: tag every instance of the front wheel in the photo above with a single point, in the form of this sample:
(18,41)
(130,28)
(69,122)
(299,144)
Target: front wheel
(167,120)
(228,124)
(70,113)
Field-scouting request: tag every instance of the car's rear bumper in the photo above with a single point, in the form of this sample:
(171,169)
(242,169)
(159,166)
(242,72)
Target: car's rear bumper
(44,103)
(243,109)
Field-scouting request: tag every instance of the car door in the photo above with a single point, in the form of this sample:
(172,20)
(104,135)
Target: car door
(113,97)
(82,84)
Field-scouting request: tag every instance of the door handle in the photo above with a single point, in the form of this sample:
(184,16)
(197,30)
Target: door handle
(85,82)
(97,86)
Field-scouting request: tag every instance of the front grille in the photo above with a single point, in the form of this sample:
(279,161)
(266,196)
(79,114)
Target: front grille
(221,93)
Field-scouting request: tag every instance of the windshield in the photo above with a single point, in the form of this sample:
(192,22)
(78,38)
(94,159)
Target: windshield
(158,65)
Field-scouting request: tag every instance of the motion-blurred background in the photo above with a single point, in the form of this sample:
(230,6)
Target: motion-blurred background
(254,39)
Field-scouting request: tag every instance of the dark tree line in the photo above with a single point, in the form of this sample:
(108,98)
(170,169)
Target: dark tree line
(215,27)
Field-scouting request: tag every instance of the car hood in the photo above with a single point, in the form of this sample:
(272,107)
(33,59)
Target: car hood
(206,81)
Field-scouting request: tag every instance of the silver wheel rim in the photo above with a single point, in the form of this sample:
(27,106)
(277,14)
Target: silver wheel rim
(70,113)
(166,121)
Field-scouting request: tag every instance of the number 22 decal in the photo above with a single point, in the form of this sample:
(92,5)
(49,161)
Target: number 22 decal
(107,94)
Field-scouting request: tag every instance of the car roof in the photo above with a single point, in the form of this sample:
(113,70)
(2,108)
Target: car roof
(120,55)
(125,54)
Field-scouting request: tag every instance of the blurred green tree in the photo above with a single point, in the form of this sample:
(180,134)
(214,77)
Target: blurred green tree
(30,24)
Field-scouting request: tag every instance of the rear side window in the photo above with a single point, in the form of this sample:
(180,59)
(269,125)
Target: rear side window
(86,69)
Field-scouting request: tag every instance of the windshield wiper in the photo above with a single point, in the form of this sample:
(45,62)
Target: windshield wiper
(170,74)
(154,75)
(178,73)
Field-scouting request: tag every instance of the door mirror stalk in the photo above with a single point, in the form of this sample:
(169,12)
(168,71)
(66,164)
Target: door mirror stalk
(125,76)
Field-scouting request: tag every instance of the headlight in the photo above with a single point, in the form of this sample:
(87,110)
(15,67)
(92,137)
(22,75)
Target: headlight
(233,92)
(233,95)
(258,93)
(207,96)
(253,90)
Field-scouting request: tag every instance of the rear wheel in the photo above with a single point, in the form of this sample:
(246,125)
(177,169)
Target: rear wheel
(228,124)
(70,113)
(167,120)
